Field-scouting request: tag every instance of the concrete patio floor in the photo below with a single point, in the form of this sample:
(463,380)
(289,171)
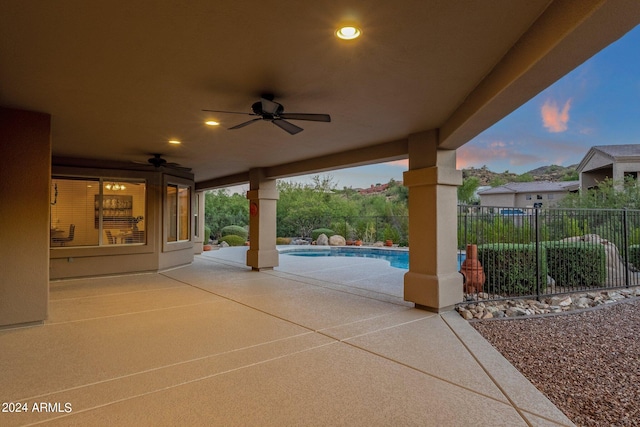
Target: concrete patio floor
(314,342)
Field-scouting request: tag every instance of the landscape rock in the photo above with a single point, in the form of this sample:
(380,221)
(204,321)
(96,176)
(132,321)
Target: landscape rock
(337,240)
(299,242)
(322,240)
(615,266)
(484,308)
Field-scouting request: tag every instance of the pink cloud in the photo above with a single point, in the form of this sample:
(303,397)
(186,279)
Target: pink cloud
(554,119)
(470,155)
(473,155)
(404,163)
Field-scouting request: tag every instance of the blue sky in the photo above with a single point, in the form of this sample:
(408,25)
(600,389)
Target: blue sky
(596,104)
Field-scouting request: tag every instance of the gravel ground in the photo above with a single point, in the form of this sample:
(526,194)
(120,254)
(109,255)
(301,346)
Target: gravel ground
(587,363)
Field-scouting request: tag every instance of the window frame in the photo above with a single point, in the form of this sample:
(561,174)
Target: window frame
(100,180)
(178,244)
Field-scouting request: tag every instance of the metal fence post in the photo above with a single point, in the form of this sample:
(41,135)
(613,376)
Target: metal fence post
(625,243)
(536,212)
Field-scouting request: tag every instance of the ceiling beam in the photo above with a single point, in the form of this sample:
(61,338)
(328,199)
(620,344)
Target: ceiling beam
(224,181)
(379,153)
(385,152)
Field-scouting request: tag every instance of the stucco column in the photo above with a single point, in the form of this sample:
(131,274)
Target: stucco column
(25,189)
(432,282)
(263,196)
(199,237)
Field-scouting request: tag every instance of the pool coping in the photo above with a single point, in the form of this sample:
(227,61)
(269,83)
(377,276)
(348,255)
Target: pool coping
(283,249)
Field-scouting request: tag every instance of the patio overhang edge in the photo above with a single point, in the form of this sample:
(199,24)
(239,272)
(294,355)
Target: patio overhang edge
(384,152)
(554,45)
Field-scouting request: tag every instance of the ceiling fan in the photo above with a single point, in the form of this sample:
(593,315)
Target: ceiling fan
(157,161)
(268,109)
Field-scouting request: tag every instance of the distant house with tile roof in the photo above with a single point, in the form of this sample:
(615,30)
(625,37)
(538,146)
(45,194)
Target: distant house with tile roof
(527,194)
(374,189)
(609,161)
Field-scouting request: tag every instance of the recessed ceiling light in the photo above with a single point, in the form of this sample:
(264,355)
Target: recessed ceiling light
(174,141)
(348,32)
(211,123)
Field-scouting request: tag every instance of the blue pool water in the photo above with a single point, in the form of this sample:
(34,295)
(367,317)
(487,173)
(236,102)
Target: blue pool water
(397,258)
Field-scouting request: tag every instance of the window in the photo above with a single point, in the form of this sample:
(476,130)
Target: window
(528,196)
(539,197)
(178,213)
(196,222)
(550,196)
(97,211)
(123,210)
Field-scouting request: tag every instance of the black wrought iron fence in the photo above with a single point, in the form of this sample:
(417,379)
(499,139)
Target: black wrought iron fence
(534,252)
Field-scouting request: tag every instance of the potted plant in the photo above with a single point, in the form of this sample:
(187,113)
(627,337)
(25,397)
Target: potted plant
(206,238)
(390,235)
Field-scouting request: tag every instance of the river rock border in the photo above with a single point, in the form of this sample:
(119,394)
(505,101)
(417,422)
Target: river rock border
(548,305)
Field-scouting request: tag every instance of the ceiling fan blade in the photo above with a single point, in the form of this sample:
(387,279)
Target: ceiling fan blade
(304,116)
(230,112)
(241,125)
(285,125)
(268,106)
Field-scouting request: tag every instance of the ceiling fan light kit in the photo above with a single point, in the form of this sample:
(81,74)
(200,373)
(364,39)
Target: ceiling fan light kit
(269,110)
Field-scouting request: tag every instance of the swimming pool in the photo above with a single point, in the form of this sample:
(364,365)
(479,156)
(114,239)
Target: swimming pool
(397,257)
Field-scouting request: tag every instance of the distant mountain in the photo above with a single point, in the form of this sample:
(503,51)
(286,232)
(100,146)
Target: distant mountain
(554,173)
(544,173)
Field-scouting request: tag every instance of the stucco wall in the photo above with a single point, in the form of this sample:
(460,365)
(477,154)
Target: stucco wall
(507,200)
(83,261)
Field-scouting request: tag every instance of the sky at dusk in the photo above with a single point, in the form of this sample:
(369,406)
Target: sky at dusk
(596,104)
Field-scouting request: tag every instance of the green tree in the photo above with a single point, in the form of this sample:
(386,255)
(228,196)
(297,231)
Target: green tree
(304,207)
(525,177)
(222,209)
(466,192)
(497,181)
(571,176)
(609,194)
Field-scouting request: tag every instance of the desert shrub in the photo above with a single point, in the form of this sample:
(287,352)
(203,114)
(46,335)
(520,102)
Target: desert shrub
(390,233)
(234,230)
(511,268)
(318,231)
(342,227)
(283,240)
(576,264)
(233,240)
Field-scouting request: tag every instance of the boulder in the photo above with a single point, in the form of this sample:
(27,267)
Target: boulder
(615,265)
(322,240)
(337,240)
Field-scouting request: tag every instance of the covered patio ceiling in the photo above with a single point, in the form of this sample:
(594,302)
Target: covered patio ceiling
(121,78)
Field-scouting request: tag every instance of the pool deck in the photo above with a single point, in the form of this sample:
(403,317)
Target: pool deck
(316,341)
